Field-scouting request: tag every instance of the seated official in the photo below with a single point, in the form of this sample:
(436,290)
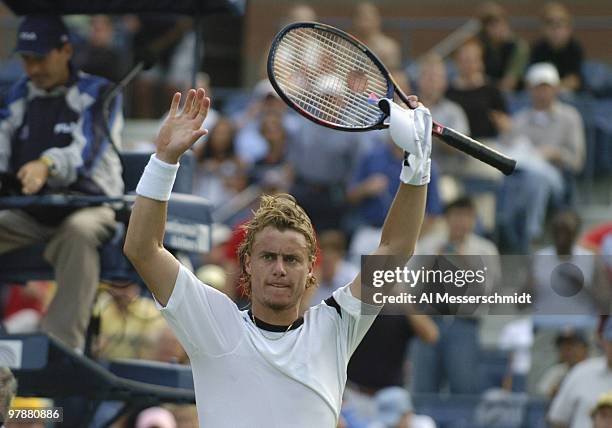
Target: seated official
(53,139)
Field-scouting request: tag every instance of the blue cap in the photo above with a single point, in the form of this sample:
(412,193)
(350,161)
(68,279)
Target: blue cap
(392,404)
(38,34)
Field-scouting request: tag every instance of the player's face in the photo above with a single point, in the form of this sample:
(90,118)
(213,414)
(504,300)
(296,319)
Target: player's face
(50,70)
(278,266)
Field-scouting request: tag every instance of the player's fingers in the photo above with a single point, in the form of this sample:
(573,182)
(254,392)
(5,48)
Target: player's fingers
(197,103)
(198,133)
(189,102)
(204,106)
(176,100)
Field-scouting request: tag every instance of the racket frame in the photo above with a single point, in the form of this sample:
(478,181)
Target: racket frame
(448,135)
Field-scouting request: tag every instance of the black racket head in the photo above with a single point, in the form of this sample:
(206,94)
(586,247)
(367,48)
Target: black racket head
(329,77)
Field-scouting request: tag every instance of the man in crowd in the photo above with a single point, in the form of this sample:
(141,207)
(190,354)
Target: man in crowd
(582,387)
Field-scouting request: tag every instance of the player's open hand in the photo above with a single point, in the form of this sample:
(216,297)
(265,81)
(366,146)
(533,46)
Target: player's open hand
(182,129)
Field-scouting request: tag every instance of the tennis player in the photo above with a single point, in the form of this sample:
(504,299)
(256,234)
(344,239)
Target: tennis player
(267,367)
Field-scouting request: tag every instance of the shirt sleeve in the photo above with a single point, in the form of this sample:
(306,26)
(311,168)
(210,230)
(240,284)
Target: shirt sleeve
(573,152)
(356,317)
(203,319)
(563,405)
(11,116)
(497,100)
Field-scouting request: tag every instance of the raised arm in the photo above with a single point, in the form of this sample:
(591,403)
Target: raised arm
(411,131)
(145,236)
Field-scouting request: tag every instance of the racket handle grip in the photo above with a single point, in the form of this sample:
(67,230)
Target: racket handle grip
(475,149)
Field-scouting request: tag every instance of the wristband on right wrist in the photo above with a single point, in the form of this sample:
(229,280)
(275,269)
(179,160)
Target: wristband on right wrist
(157,179)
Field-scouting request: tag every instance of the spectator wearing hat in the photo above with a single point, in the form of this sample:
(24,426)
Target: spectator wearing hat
(549,144)
(573,348)
(582,387)
(54,138)
(602,412)
(394,409)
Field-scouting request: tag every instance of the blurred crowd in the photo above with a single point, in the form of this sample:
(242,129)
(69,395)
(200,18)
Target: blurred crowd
(525,99)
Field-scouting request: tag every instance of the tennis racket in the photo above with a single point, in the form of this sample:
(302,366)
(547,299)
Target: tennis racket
(333,79)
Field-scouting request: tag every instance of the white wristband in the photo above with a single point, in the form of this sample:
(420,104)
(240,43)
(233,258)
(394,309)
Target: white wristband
(157,179)
(416,171)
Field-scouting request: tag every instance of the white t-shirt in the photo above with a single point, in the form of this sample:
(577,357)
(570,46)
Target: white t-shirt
(579,393)
(244,379)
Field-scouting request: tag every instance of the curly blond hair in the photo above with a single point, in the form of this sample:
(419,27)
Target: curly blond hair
(282,212)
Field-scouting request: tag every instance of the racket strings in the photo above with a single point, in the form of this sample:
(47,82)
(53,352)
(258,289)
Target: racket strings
(328,77)
(330,71)
(306,97)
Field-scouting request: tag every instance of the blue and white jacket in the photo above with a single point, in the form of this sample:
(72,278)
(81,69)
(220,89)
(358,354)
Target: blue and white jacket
(65,124)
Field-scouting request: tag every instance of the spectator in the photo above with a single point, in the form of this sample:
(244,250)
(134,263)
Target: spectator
(129,323)
(554,128)
(63,152)
(379,362)
(250,144)
(8,389)
(505,55)
(98,55)
(549,144)
(300,12)
(168,349)
(155,417)
(488,120)
(277,148)
(582,387)
(156,38)
(216,277)
(432,85)
(220,174)
(26,305)
(602,412)
(594,238)
(334,271)
(573,348)
(482,102)
(372,188)
(558,46)
(567,279)
(367,24)
(453,358)
(395,410)
(322,161)
(186,416)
